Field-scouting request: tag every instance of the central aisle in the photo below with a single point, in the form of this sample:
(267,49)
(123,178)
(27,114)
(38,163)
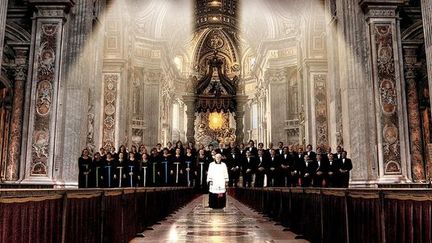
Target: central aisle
(198,223)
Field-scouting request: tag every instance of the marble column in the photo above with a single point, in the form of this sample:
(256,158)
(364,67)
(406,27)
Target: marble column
(356,92)
(114,76)
(239,116)
(46,63)
(3,13)
(20,74)
(333,85)
(181,121)
(274,111)
(189,101)
(426,6)
(387,76)
(316,115)
(414,124)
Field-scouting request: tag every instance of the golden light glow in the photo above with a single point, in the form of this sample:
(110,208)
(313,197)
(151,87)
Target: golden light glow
(215,120)
(215,3)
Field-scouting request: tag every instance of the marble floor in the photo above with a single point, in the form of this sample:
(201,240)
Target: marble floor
(198,223)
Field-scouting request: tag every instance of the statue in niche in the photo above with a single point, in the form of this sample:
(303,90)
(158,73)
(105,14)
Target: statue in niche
(191,84)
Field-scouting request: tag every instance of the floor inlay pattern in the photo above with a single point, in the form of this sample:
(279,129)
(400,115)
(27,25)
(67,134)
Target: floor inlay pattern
(198,223)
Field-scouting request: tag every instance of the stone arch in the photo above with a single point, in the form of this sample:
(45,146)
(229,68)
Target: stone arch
(218,39)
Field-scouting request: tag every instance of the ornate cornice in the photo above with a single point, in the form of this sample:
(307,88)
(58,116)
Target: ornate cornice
(381,8)
(51,8)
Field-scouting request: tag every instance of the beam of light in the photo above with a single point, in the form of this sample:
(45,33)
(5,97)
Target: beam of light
(216,120)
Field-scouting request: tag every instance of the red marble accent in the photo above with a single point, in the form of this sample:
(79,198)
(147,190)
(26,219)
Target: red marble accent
(15,132)
(414,122)
(4,130)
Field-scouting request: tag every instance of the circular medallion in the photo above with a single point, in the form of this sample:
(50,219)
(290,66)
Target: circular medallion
(109,109)
(215,41)
(390,133)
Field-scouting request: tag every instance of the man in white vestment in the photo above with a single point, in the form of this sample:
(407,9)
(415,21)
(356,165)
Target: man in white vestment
(217,177)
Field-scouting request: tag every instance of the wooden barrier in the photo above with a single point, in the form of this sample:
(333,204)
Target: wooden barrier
(346,215)
(86,215)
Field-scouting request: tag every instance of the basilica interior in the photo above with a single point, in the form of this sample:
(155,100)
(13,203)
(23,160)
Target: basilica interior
(105,73)
(91,74)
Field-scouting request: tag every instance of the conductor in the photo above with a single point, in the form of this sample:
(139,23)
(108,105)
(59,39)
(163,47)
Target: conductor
(217,178)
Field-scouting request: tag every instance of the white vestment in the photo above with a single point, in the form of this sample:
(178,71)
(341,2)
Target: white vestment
(218,175)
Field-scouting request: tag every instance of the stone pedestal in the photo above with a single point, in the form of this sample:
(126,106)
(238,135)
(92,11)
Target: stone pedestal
(46,62)
(387,76)
(189,101)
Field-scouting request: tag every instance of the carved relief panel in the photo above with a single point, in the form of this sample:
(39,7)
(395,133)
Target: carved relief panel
(110,89)
(44,90)
(391,119)
(388,97)
(321,118)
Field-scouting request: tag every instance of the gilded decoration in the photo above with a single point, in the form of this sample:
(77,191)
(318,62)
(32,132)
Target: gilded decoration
(208,130)
(388,97)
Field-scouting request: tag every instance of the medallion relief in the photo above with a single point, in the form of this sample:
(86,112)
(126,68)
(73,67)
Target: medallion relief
(44,96)
(110,99)
(388,97)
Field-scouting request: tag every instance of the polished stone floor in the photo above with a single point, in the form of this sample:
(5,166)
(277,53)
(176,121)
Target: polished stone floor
(198,223)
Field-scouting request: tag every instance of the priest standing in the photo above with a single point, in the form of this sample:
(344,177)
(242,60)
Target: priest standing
(217,178)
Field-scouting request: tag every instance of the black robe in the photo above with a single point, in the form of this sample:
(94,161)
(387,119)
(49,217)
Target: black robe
(84,177)
(189,163)
(333,177)
(202,164)
(108,172)
(309,173)
(165,169)
(96,173)
(259,174)
(233,163)
(274,171)
(120,179)
(344,176)
(248,168)
(131,173)
(154,171)
(144,173)
(178,177)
